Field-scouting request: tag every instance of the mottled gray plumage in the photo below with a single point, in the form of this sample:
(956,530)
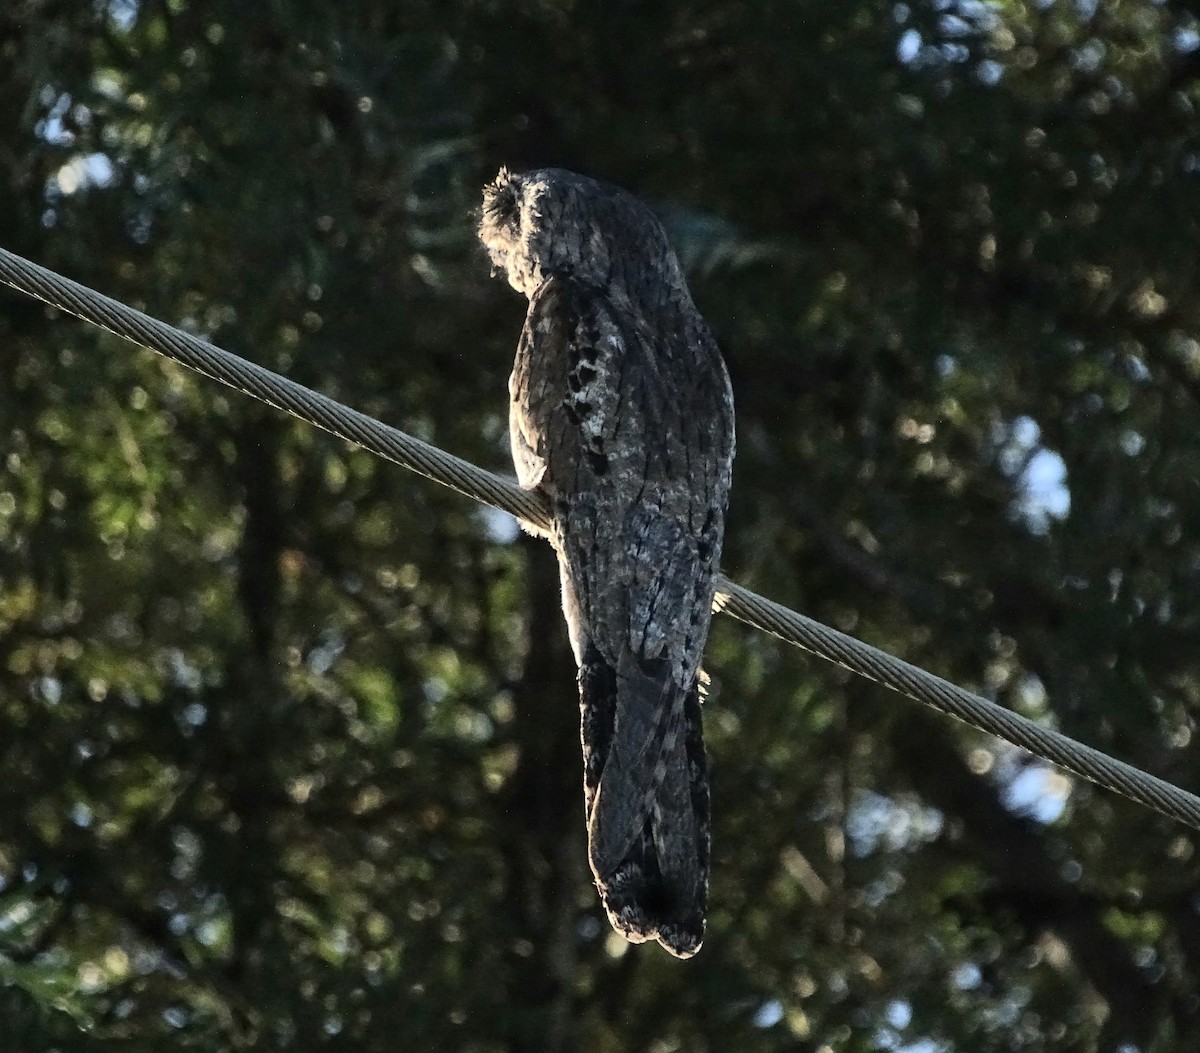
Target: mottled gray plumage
(622,415)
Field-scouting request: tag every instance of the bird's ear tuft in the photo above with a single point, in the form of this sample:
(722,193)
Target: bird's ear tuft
(501,198)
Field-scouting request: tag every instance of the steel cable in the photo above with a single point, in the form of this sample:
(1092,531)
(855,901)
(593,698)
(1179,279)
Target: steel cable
(495,490)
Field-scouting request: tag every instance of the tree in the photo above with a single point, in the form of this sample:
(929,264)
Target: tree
(289,737)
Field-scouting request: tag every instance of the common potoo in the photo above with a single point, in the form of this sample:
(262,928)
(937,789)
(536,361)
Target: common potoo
(622,414)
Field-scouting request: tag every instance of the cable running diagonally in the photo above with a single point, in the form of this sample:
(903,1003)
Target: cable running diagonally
(481,485)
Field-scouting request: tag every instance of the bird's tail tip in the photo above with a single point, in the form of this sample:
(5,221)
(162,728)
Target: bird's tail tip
(641,909)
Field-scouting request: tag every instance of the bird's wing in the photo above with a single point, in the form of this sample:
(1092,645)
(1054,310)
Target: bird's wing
(630,440)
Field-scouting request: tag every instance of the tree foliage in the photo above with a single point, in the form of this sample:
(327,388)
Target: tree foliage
(289,737)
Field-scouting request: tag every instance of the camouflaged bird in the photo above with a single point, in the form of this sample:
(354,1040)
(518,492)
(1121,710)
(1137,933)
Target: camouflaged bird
(622,415)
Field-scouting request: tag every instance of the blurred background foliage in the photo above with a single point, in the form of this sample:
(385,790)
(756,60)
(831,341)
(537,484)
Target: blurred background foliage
(288,737)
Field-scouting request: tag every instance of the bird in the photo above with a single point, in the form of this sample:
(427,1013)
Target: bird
(621,415)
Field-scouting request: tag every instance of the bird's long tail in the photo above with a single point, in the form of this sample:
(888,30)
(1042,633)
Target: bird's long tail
(647,800)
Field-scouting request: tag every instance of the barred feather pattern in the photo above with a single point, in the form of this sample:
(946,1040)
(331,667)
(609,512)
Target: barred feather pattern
(621,413)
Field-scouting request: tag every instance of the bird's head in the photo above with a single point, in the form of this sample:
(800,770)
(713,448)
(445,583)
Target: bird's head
(553,222)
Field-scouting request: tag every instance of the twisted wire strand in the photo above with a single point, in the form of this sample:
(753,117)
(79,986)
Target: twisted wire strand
(481,485)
